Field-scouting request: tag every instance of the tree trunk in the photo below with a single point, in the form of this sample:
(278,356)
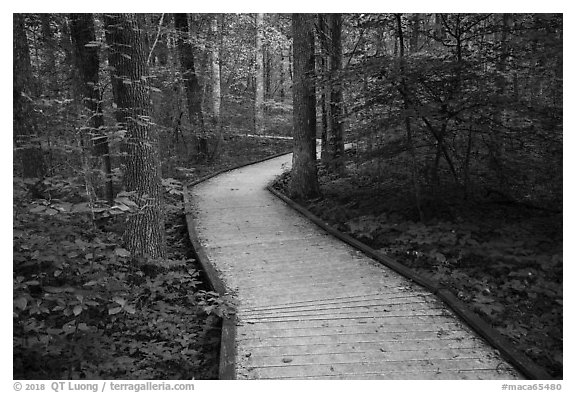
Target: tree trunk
(466,169)
(191,85)
(284,75)
(496,145)
(49,69)
(415,34)
(323,33)
(439,30)
(88,64)
(28,151)
(407,121)
(215,49)
(259,99)
(159,54)
(144,234)
(336,137)
(215,67)
(304,180)
(143,22)
(267,73)
(291,64)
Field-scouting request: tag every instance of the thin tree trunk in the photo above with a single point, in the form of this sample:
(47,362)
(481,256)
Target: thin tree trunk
(215,67)
(407,122)
(152,48)
(159,49)
(415,34)
(291,63)
(496,145)
(336,137)
(144,234)
(215,48)
(49,68)
(467,165)
(323,33)
(380,42)
(441,147)
(259,100)
(88,64)
(28,151)
(439,30)
(284,75)
(304,179)
(267,74)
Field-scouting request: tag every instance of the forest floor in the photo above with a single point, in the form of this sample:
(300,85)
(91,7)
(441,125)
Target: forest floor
(503,260)
(81,311)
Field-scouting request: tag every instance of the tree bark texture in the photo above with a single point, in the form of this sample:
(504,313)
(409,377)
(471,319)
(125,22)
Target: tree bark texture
(28,152)
(304,179)
(191,85)
(259,99)
(87,62)
(144,234)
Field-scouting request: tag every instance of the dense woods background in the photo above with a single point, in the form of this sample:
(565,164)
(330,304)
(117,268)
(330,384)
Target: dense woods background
(455,167)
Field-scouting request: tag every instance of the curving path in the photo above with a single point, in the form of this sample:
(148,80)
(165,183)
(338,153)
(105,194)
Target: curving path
(311,307)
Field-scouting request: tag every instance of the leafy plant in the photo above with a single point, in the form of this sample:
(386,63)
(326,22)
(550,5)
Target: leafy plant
(82,310)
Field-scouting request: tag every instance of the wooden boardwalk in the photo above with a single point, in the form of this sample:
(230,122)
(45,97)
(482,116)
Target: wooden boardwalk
(312,307)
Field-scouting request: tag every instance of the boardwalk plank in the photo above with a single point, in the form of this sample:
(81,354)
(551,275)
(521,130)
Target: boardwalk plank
(311,306)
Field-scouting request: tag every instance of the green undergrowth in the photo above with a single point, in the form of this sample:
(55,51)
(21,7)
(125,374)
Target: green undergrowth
(83,309)
(504,261)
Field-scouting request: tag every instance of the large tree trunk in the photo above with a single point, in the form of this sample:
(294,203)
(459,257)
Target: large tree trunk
(144,234)
(191,85)
(88,64)
(28,151)
(259,99)
(304,180)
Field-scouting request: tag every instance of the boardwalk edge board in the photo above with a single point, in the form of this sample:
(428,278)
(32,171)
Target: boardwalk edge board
(228,335)
(227,342)
(524,364)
